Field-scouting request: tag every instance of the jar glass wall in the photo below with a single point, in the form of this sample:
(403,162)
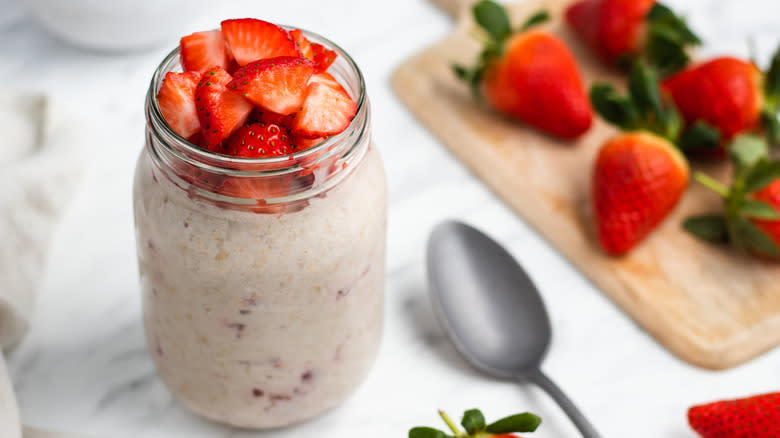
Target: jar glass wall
(262,311)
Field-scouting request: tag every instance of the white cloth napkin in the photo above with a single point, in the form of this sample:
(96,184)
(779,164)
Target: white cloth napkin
(41,162)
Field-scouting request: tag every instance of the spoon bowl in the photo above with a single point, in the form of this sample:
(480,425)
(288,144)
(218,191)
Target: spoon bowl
(499,329)
(492,311)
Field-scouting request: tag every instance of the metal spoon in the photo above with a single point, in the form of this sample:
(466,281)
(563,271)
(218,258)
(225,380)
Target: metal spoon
(492,311)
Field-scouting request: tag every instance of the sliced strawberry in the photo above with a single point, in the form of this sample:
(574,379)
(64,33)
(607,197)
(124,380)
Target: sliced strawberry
(269,117)
(266,187)
(220,110)
(327,110)
(252,40)
(303,43)
(327,79)
(323,57)
(262,188)
(277,84)
(177,102)
(302,143)
(202,50)
(259,140)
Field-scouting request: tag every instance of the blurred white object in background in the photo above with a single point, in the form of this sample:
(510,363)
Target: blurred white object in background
(45,155)
(116,25)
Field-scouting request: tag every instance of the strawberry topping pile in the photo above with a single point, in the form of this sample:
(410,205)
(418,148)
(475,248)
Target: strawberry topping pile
(254,89)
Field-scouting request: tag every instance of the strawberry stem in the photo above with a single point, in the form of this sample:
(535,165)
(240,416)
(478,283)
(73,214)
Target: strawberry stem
(450,423)
(712,184)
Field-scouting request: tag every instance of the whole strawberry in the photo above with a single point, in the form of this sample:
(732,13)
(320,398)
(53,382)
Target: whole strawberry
(620,31)
(530,75)
(258,140)
(750,220)
(638,176)
(474,423)
(722,98)
(753,417)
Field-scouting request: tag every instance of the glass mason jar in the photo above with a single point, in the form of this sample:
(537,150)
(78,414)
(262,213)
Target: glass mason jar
(262,310)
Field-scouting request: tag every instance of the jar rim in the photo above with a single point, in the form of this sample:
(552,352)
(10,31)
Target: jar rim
(156,118)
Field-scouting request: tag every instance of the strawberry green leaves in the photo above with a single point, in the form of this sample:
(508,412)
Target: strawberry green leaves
(763,173)
(711,228)
(615,108)
(493,19)
(641,109)
(495,28)
(474,423)
(427,432)
(524,422)
(700,135)
(747,151)
(743,210)
(668,40)
(535,20)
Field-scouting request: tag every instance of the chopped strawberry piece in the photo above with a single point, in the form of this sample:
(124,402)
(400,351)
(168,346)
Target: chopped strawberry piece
(266,187)
(259,140)
(327,110)
(323,57)
(269,117)
(302,143)
(248,188)
(277,84)
(303,43)
(327,79)
(232,67)
(252,40)
(177,102)
(220,110)
(202,50)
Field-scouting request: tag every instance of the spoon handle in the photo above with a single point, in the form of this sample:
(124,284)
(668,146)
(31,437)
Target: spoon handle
(565,403)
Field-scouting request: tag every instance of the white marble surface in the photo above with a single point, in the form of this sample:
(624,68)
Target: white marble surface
(84,366)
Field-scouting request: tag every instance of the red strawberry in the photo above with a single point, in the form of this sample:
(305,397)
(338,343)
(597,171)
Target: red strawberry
(770,195)
(276,84)
(535,78)
(177,102)
(620,30)
(754,417)
(220,110)
(328,79)
(327,110)
(202,50)
(319,54)
(264,116)
(638,176)
(613,28)
(252,40)
(538,81)
(303,43)
(322,56)
(751,215)
(259,140)
(726,93)
(303,143)
(637,180)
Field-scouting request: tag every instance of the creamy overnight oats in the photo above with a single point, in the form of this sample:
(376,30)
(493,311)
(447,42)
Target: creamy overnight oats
(260,210)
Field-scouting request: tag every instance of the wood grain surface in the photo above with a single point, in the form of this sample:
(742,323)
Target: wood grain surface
(711,307)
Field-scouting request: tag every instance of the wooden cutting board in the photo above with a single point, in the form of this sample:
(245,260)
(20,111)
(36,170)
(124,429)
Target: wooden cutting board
(711,307)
